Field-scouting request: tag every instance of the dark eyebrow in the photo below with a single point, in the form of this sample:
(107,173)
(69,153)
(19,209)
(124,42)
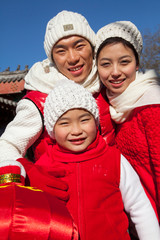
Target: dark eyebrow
(125,56)
(62,118)
(119,58)
(59,46)
(101,59)
(79,41)
(87,114)
(74,44)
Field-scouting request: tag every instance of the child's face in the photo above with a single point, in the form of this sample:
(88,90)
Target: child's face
(75,130)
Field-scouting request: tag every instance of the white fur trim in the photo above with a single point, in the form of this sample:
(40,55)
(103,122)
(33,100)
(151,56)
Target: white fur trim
(14,163)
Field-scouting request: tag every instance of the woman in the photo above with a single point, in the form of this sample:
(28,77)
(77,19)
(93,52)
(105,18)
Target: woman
(134,99)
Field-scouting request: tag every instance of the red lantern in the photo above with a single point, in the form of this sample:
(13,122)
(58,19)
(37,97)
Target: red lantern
(28,213)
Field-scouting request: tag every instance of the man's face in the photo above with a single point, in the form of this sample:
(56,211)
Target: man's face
(73,57)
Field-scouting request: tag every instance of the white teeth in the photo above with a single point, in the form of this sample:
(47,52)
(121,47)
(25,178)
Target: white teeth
(75,69)
(116,82)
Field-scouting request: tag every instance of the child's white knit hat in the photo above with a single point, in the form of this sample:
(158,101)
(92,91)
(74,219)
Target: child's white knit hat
(66,23)
(67,95)
(123,29)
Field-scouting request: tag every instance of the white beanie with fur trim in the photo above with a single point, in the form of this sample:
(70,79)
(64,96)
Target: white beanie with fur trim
(66,23)
(67,95)
(123,29)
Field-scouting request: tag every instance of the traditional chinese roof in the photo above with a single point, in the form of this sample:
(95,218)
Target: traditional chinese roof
(11,87)
(12,81)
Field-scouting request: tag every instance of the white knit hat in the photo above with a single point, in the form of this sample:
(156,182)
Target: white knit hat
(123,29)
(64,24)
(67,95)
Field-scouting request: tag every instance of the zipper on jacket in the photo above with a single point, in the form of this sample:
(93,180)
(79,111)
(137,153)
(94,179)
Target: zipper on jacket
(79,194)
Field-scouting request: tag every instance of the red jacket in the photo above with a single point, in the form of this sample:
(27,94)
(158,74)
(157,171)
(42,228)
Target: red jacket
(93,178)
(107,127)
(139,141)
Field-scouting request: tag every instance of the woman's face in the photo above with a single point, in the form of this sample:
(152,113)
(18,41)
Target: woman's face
(116,67)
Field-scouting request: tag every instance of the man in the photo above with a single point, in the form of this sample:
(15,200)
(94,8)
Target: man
(69,45)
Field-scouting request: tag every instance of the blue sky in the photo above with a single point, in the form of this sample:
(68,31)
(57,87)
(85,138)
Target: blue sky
(23,23)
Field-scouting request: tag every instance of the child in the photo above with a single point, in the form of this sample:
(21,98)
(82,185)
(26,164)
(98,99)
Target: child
(102,184)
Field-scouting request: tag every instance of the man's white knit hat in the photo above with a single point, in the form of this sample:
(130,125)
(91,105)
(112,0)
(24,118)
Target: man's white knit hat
(67,95)
(64,24)
(123,29)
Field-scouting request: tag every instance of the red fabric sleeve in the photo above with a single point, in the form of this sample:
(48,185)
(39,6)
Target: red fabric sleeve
(151,122)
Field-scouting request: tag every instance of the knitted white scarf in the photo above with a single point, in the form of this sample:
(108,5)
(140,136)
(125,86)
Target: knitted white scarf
(144,90)
(43,76)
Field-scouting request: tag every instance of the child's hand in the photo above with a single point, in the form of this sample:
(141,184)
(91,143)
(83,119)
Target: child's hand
(47,180)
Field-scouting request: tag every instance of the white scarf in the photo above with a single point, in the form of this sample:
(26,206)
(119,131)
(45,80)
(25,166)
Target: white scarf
(144,90)
(43,76)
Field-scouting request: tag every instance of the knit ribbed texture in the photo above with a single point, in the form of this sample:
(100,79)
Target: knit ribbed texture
(65,96)
(22,132)
(64,24)
(123,29)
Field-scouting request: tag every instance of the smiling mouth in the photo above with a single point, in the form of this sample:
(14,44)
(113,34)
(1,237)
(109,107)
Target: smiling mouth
(75,69)
(117,81)
(77,141)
